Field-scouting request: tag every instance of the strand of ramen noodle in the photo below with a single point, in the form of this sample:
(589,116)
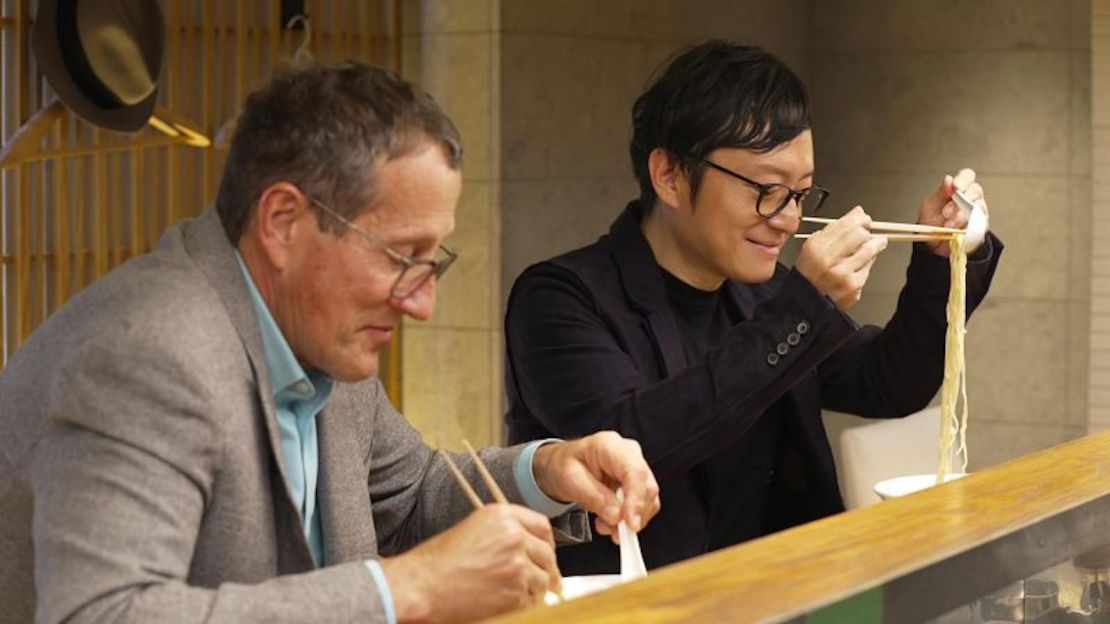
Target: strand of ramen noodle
(953,393)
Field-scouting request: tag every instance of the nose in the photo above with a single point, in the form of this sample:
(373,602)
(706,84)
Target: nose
(788,219)
(421,303)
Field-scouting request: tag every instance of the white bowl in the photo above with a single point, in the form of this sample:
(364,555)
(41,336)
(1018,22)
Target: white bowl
(575,586)
(901,486)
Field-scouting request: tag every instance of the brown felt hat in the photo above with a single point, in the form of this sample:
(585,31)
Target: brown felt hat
(102,57)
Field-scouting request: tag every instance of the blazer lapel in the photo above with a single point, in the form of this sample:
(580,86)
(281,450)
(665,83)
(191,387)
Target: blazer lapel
(643,285)
(343,496)
(208,246)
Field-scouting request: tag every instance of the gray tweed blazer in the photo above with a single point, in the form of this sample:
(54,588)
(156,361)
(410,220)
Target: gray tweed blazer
(141,477)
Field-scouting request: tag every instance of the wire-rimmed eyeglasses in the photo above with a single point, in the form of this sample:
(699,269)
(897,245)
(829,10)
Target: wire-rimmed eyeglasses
(415,272)
(774,198)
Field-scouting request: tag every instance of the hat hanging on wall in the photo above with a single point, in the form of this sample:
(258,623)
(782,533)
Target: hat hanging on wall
(102,57)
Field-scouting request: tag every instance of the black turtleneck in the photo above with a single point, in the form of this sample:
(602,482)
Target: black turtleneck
(738,512)
(701,315)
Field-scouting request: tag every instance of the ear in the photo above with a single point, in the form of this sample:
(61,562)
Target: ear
(667,178)
(279,219)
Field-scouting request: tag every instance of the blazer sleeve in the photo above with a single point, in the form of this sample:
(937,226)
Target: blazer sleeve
(413,494)
(896,370)
(121,481)
(574,375)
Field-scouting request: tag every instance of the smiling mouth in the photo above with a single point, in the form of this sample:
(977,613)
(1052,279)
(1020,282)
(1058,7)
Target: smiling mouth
(769,246)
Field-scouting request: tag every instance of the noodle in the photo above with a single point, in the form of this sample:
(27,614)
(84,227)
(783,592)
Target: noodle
(953,392)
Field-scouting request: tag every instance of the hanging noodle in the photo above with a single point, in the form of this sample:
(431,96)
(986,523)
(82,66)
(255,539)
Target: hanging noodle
(953,392)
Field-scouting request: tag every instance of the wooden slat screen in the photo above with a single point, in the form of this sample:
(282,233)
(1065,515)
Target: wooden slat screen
(66,221)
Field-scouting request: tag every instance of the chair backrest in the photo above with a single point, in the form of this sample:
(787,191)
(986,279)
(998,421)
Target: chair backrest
(868,451)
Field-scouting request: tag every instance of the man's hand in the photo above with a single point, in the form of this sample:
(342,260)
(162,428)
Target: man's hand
(940,209)
(501,557)
(837,260)
(588,471)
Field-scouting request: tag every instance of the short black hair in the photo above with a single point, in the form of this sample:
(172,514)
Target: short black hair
(712,95)
(325,128)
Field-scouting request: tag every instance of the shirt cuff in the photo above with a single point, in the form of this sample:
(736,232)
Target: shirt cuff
(383,588)
(530,491)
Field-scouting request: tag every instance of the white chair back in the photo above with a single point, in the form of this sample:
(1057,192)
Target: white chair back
(868,451)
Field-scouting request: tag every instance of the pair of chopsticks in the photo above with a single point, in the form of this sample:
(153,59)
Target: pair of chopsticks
(901,231)
(487,478)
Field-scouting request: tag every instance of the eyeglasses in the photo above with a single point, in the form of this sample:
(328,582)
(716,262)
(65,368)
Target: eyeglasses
(415,272)
(774,198)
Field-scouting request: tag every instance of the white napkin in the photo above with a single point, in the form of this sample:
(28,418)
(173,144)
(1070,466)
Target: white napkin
(632,561)
(632,568)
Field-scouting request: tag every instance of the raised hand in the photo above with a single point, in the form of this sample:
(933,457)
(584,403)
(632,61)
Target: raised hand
(837,260)
(939,208)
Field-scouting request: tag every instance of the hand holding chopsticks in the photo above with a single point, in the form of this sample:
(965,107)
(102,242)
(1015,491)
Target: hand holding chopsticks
(838,261)
(554,578)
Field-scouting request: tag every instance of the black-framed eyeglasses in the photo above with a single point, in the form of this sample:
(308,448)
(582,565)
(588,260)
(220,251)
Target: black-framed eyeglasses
(415,272)
(774,198)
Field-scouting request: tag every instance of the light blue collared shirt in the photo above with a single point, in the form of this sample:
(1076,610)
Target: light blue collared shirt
(298,399)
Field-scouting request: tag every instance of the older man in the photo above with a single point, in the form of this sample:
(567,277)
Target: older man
(199,437)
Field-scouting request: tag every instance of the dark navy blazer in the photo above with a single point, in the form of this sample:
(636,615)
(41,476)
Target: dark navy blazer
(591,345)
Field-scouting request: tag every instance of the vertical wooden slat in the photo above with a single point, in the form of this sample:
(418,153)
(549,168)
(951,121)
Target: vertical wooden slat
(100,212)
(366,31)
(22,183)
(394,43)
(187,99)
(22,255)
(79,207)
(36,218)
(208,10)
(241,51)
(61,221)
(336,48)
(135,202)
(275,29)
(348,15)
(114,208)
(172,196)
(258,50)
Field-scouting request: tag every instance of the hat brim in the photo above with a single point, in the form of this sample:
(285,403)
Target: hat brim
(48,54)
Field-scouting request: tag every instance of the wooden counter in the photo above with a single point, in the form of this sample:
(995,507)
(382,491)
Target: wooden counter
(801,570)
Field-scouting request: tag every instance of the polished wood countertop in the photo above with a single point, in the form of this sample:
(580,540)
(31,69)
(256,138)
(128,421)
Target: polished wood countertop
(791,573)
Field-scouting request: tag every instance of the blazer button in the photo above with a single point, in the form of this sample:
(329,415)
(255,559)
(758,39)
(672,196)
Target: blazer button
(782,348)
(793,339)
(802,328)
(773,359)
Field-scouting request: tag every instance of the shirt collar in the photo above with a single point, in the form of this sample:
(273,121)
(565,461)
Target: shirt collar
(288,380)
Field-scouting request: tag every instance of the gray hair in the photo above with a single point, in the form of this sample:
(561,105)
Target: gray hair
(324,128)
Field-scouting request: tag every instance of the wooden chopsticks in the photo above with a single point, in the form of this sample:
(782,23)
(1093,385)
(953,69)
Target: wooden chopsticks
(470,493)
(898,237)
(487,478)
(902,231)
